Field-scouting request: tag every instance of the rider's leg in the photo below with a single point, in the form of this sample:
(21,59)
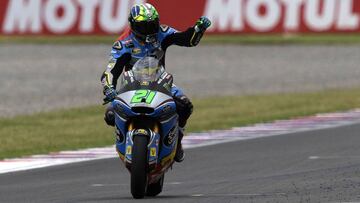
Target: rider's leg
(110,116)
(184,109)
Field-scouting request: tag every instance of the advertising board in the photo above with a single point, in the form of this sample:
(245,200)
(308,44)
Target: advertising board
(103,17)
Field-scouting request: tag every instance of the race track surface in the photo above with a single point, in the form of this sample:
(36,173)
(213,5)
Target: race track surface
(317,166)
(37,78)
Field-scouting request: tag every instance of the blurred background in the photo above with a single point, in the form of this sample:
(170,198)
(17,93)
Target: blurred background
(299,57)
(260,61)
(54,51)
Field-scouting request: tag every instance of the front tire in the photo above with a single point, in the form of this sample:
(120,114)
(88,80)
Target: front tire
(139,167)
(155,188)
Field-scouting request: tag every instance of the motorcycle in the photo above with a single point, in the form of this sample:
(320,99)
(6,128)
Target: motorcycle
(146,125)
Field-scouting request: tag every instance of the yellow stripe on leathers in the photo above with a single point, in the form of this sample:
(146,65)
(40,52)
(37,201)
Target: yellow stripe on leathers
(192,38)
(107,76)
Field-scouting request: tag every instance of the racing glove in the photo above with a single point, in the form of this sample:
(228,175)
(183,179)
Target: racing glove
(110,93)
(202,24)
(200,27)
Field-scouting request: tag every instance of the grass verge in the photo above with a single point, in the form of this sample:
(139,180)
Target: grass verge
(84,127)
(209,39)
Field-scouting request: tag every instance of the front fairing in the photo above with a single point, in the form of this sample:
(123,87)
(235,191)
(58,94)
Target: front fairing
(145,107)
(161,108)
(163,112)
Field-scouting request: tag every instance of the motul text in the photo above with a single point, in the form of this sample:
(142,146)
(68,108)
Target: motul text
(96,17)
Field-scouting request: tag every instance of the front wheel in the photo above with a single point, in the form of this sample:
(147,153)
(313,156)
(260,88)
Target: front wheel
(139,167)
(155,188)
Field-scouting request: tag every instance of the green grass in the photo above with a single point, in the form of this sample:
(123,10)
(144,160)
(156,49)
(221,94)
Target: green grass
(84,127)
(208,39)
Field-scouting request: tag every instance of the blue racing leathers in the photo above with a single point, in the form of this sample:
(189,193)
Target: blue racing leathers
(128,49)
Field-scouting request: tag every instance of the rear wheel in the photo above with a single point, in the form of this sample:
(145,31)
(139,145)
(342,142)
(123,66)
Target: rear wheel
(155,188)
(139,167)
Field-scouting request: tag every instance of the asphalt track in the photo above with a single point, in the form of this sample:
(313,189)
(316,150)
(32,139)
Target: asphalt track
(315,166)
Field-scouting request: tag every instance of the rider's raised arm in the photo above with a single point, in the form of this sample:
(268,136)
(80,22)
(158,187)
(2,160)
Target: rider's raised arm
(189,38)
(120,56)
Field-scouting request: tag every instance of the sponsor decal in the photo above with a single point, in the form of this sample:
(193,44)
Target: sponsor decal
(283,15)
(169,140)
(129,44)
(64,16)
(166,109)
(167,86)
(265,16)
(119,108)
(153,151)
(117,45)
(84,17)
(141,131)
(136,51)
(128,150)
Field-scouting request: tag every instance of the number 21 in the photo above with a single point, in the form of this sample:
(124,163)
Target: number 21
(141,95)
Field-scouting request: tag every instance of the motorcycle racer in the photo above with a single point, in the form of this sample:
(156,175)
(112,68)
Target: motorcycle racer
(146,37)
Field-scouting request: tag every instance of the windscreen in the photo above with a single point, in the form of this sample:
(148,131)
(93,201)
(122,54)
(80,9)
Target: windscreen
(147,69)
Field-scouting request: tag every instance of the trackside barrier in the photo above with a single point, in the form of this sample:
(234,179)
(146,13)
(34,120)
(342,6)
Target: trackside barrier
(103,17)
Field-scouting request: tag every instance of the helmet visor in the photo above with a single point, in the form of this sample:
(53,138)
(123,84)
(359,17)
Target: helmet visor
(146,28)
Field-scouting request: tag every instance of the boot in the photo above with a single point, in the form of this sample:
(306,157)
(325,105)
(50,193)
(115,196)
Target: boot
(180,154)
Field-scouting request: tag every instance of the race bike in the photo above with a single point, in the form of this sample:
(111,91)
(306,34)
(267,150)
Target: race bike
(146,125)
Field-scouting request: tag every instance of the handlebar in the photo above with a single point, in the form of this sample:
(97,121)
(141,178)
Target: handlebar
(106,101)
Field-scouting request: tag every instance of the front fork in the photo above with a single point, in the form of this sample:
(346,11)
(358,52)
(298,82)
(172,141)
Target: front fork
(153,136)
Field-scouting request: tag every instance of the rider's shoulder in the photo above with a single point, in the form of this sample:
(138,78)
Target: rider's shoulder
(121,47)
(123,44)
(118,45)
(167,29)
(124,40)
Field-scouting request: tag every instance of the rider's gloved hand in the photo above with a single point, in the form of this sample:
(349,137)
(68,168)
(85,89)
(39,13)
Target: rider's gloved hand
(110,93)
(202,24)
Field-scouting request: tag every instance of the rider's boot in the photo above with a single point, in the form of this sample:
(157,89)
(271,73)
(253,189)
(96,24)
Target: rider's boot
(180,154)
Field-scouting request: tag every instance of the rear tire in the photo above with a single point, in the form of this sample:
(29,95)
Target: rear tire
(155,188)
(139,167)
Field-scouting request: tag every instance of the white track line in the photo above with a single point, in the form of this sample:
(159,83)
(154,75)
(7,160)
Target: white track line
(320,121)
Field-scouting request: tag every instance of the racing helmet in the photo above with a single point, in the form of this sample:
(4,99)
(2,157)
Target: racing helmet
(144,22)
